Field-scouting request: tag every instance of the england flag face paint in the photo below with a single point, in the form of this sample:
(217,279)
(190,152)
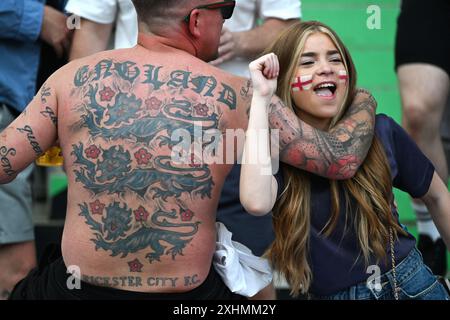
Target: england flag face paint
(343,77)
(302,83)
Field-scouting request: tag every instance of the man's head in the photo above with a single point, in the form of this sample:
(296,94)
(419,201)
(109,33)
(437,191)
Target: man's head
(199,22)
(152,11)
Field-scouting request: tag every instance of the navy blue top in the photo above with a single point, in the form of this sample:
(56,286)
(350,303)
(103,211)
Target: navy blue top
(334,259)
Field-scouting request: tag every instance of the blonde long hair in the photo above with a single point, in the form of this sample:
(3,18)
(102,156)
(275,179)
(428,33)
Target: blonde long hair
(370,188)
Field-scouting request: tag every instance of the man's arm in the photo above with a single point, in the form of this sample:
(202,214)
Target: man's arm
(31,134)
(249,44)
(336,154)
(91,38)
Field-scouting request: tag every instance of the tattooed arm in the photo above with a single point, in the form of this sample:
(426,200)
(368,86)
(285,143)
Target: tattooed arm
(31,134)
(336,154)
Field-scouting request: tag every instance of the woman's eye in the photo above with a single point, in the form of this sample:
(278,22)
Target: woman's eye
(336,60)
(305,63)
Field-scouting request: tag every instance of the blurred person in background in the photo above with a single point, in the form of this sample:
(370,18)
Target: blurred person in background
(422,62)
(105,24)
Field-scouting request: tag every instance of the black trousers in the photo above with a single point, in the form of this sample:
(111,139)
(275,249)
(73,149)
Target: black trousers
(49,282)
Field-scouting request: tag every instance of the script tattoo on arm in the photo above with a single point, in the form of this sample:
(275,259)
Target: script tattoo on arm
(45,93)
(48,111)
(5,161)
(31,139)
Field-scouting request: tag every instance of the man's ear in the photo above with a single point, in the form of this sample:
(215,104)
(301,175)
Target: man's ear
(194,23)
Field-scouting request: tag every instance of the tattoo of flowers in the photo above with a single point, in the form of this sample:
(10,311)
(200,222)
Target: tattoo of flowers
(92,152)
(135,265)
(186,215)
(153,105)
(97,207)
(141,214)
(107,94)
(142,156)
(201,109)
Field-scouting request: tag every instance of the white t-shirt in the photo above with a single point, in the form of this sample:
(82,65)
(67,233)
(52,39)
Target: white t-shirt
(245,17)
(107,11)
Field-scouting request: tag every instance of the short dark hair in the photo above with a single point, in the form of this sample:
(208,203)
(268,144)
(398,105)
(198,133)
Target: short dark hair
(148,10)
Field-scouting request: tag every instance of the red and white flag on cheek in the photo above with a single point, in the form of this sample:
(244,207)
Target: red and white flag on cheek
(342,75)
(302,83)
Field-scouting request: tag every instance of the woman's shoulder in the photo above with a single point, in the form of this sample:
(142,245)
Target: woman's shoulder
(386,126)
(384,120)
(391,134)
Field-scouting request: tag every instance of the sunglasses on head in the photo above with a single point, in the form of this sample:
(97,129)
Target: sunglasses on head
(226,9)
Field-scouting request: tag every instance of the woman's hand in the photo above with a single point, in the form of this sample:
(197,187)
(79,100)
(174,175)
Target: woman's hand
(264,72)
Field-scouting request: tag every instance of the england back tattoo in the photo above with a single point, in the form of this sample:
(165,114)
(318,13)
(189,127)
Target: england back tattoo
(136,162)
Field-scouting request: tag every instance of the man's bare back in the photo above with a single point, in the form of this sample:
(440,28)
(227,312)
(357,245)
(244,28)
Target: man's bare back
(137,220)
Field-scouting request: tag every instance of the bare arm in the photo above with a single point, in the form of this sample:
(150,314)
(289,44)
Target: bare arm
(91,38)
(243,44)
(31,134)
(258,188)
(437,200)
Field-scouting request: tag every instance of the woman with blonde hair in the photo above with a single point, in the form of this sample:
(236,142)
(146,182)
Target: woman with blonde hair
(337,239)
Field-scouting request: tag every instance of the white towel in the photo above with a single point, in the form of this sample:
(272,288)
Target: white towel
(242,271)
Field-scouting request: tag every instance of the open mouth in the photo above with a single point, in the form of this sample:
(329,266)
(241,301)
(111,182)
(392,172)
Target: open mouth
(325,89)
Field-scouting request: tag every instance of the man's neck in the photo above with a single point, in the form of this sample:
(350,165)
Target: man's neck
(149,40)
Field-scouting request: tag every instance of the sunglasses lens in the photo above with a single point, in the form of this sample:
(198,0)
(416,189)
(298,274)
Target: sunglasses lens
(227,11)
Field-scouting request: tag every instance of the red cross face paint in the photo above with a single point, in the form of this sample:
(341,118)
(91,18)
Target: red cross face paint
(343,77)
(302,83)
